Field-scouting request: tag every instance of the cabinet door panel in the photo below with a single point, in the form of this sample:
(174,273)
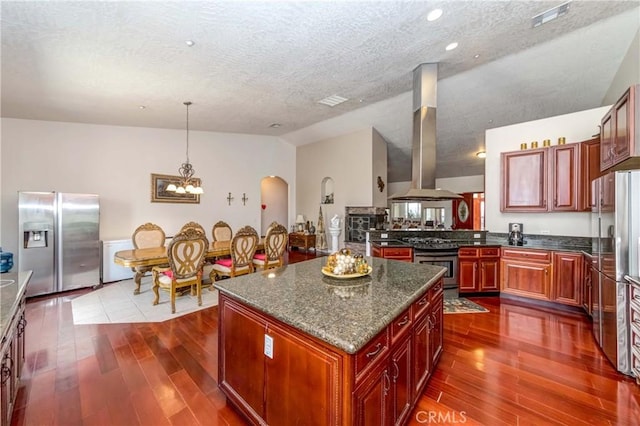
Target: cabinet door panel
(400,371)
(467,275)
(606,142)
(567,278)
(563,175)
(242,362)
(524,181)
(421,354)
(489,274)
(526,279)
(301,375)
(436,336)
(371,401)
(621,145)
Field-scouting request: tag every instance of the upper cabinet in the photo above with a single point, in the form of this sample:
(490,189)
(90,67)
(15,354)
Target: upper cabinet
(524,181)
(619,147)
(557,178)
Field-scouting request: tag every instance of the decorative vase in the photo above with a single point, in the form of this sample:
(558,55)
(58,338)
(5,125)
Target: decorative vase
(312,229)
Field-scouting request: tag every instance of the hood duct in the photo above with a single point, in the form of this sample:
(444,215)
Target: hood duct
(423,152)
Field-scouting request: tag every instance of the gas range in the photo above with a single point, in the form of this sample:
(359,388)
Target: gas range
(431,244)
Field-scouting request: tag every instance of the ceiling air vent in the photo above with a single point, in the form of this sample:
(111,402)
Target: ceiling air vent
(550,15)
(333,100)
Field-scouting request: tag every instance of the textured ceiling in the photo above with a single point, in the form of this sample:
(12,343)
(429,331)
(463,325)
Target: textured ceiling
(258,63)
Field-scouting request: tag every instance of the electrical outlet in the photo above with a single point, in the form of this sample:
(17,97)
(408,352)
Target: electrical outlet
(476,235)
(384,235)
(268,346)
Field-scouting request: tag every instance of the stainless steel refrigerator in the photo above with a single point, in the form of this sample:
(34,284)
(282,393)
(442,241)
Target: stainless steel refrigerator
(616,242)
(59,240)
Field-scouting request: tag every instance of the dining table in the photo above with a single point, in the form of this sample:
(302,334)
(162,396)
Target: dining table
(143,260)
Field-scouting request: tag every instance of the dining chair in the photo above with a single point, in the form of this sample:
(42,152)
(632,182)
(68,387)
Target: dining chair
(148,235)
(275,244)
(221,231)
(186,253)
(243,248)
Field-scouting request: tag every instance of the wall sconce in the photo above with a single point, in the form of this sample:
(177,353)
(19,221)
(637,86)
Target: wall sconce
(229,198)
(481,154)
(244,199)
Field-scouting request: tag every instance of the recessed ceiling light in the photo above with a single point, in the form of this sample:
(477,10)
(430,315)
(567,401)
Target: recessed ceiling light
(476,56)
(274,125)
(332,100)
(481,154)
(434,14)
(490,121)
(190,43)
(451,46)
(142,107)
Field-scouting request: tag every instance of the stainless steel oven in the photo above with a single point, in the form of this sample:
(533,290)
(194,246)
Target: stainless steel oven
(447,259)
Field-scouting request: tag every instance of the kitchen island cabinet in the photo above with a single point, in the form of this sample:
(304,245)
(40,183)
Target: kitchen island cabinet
(296,347)
(392,249)
(12,338)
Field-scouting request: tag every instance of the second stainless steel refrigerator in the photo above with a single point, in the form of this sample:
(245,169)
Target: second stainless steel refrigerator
(616,242)
(59,240)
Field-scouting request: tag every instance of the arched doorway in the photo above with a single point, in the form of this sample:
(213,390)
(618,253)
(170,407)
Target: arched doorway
(274,196)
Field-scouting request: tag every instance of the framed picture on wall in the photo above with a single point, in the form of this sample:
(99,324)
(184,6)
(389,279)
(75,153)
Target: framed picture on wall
(159,193)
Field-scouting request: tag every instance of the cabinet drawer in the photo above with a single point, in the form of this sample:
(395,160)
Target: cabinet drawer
(374,350)
(635,336)
(468,252)
(635,293)
(419,307)
(635,363)
(490,252)
(401,325)
(529,255)
(391,252)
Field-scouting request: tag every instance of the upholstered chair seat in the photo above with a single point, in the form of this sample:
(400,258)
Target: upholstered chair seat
(275,244)
(243,248)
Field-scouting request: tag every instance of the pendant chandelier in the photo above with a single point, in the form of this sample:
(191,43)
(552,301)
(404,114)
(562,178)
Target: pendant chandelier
(187,184)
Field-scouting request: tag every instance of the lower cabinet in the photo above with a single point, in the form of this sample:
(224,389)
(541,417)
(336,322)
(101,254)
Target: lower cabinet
(587,284)
(541,274)
(12,351)
(306,381)
(526,273)
(479,269)
(567,278)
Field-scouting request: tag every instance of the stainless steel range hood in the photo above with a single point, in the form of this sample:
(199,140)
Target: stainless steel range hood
(423,154)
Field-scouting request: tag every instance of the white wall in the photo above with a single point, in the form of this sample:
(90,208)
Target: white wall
(116,163)
(575,127)
(348,160)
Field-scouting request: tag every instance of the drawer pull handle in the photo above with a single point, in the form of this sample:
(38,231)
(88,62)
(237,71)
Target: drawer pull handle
(404,321)
(375,351)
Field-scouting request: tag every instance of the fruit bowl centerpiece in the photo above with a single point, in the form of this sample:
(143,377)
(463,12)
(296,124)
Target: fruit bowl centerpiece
(344,265)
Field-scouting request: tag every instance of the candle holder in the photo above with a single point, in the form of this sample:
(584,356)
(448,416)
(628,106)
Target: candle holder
(546,142)
(561,140)
(523,145)
(534,144)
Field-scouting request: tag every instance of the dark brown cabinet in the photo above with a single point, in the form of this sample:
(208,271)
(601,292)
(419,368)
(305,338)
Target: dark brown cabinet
(301,240)
(380,384)
(557,178)
(526,273)
(479,269)
(617,132)
(524,181)
(567,278)
(12,351)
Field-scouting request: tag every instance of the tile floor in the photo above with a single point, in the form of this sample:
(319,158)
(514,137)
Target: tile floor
(116,303)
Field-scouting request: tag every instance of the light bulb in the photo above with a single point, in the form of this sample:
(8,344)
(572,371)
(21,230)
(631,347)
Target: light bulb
(180,190)
(198,190)
(171,187)
(189,189)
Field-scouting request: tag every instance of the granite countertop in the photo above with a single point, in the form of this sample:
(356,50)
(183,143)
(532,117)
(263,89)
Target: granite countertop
(535,246)
(390,243)
(10,296)
(344,313)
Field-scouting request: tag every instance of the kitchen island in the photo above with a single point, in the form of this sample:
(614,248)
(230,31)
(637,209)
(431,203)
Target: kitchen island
(13,286)
(297,347)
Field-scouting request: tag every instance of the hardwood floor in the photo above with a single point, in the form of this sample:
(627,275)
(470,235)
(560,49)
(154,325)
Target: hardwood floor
(516,365)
